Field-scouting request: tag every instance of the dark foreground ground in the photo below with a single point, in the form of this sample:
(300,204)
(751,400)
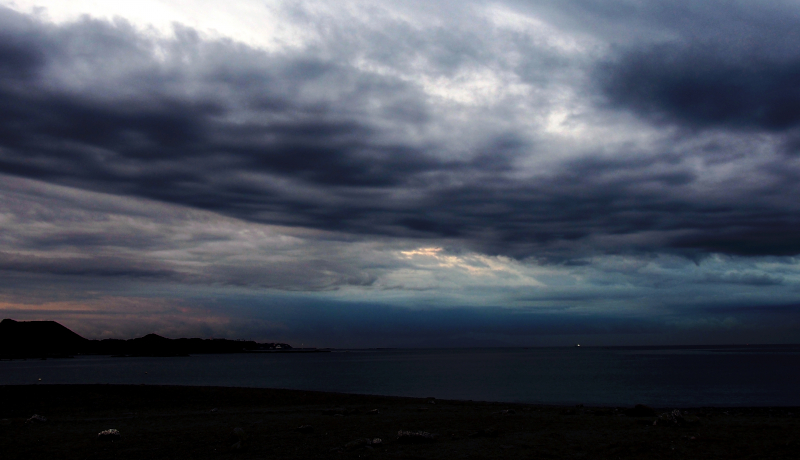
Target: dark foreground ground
(158,422)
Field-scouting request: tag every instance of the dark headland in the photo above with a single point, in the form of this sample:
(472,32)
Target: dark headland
(47,339)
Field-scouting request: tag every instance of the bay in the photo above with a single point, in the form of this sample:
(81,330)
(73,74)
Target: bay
(623,376)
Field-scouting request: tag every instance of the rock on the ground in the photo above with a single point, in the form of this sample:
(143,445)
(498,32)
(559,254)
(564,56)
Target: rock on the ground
(640,410)
(484,433)
(674,417)
(108,435)
(238,434)
(237,437)
(414,436)
(362,443)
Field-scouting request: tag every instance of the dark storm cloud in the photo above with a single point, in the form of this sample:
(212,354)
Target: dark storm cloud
(707,86)
(301,138)
(716,64)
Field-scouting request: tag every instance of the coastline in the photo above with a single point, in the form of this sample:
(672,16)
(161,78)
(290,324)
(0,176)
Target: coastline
(198,422)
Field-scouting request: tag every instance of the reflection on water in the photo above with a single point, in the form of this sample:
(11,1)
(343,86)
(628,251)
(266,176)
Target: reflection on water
(659,376)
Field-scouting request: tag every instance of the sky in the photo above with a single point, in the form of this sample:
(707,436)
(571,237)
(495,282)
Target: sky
(403,174)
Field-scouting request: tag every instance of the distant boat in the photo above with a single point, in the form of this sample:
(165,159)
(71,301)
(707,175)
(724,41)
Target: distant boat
(577,344)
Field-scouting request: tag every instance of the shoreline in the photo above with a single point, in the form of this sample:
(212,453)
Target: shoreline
(166,421)
(794,409)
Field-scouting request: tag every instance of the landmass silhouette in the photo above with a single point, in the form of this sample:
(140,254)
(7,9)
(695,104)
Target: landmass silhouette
(48,339)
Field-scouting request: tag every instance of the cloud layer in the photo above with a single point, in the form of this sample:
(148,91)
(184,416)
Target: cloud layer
(414,151)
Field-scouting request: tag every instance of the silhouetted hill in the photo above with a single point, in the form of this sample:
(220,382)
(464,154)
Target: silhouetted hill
(38,339)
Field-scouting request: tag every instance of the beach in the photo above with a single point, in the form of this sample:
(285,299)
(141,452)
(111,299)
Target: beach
(155,422)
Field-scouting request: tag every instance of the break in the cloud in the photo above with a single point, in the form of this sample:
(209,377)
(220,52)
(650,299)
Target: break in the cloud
(500,172)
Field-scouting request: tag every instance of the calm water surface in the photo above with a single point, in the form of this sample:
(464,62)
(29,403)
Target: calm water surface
(745,376)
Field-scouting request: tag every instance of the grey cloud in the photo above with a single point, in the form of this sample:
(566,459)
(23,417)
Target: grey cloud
(706,87)
(634,22)
(308,140)
(134,164)
(716,64)
(94,267)
(307,274)
(100,242)
(749,278)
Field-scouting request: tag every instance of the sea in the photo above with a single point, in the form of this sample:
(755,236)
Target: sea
(744,376)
